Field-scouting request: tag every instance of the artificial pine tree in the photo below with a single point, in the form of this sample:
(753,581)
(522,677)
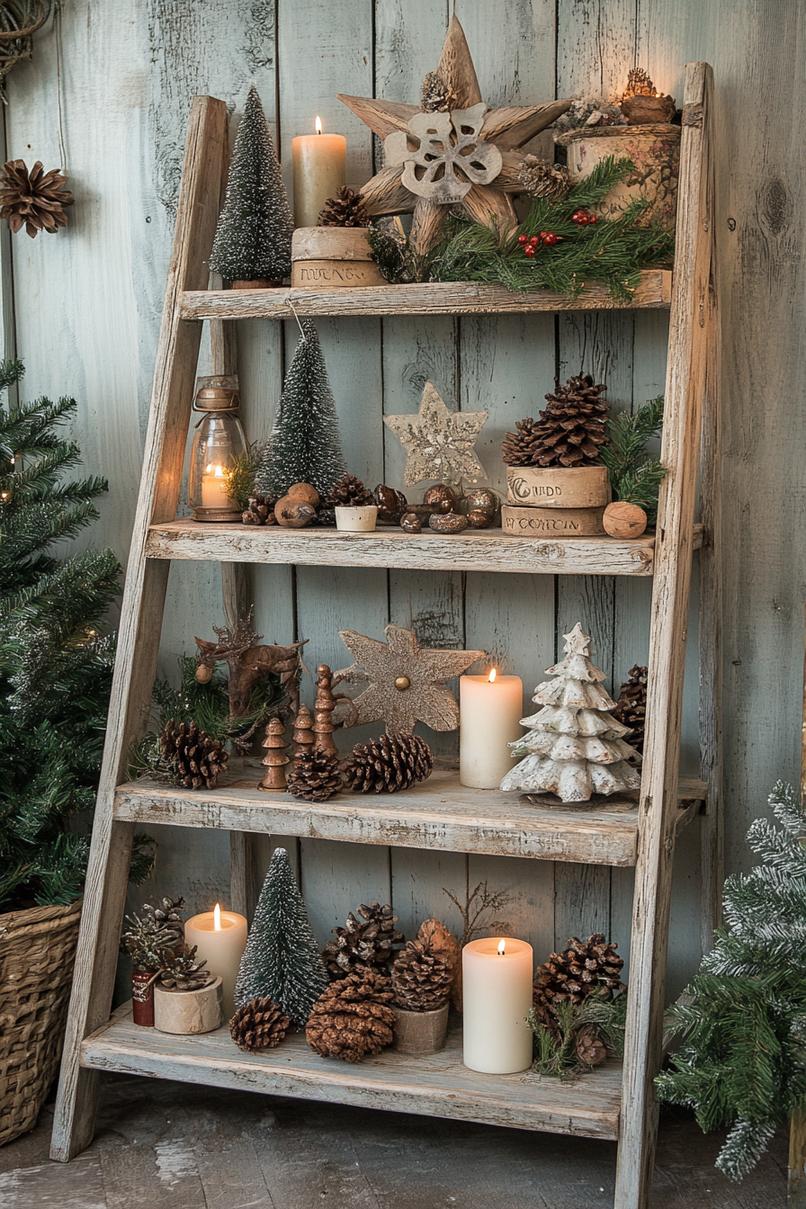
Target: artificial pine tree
(575,746)
(305,446)
(742,1020)
(281,959)
(253,237)
(55,660)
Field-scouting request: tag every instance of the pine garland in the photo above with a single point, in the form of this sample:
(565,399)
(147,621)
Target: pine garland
(611,250)
(635,474)
(555,1047)
(742,1020)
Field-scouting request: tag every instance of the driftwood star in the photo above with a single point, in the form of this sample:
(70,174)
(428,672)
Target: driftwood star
(504,128)
(439,444)
(406,683)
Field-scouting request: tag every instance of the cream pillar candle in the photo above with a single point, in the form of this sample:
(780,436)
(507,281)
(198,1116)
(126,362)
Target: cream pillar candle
(220,939)
(214,488)
(490,709)
(319,172)
(496,998)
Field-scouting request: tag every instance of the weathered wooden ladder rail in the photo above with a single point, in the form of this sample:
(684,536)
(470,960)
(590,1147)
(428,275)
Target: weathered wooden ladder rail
(609,1103)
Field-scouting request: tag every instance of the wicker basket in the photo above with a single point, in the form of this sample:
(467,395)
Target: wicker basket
(37,948)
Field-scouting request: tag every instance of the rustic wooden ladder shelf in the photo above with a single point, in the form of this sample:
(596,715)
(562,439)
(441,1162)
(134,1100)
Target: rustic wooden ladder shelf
(613,1102)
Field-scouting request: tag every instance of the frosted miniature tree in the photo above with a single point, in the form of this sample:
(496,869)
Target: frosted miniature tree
(281,958)
(305,446)
(575,747)
(253,236)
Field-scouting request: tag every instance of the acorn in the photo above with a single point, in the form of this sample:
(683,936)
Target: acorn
(293,513)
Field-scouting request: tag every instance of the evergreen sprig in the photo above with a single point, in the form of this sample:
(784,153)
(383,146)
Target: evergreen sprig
(742,1020)
(612,250)
(555,1048)
(635,473)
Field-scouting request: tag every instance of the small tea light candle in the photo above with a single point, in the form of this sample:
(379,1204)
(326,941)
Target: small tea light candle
(496,998)
(220,939)
(490,709)
(319,172)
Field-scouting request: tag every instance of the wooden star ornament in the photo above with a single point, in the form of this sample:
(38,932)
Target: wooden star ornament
(439,444)
(457,153)
(405,683)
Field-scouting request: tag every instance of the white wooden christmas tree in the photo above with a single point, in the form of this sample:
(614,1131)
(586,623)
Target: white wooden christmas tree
(575,747)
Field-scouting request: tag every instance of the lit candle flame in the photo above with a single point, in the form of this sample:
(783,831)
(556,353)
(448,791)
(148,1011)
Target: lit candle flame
(216,471)
(502,948)
(217,918)
(492,676)
(318,124)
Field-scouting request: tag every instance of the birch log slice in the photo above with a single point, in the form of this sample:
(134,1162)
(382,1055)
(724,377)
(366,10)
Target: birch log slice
(188,1012)
(558,486)
(551,522)
(333,257)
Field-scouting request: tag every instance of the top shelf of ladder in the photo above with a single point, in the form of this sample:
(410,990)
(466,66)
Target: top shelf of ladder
(654,291)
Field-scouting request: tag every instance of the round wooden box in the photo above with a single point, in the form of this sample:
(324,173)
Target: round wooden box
(552,522)
(558,487)
(328,257)
(188,1012)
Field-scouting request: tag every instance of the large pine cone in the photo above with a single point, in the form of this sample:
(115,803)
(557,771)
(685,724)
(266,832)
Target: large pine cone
(352,1018)
(35,200)
(369,941)
(194,758)
(346,209)
(316,776)
(583,967)
(349,492)
(631,705)
(569,432)
(259,1024)
(388,763)
(421,978)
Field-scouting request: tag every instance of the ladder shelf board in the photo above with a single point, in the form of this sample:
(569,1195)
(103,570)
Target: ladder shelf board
(654,290)
(438,814)
(473,550)
(437,1085)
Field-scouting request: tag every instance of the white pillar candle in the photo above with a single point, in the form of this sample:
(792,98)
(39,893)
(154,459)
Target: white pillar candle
(318,162)
(490,709)
(496,998)
(220,939)
(215,489)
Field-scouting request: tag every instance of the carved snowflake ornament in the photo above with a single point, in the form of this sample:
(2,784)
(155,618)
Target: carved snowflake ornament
(444,154)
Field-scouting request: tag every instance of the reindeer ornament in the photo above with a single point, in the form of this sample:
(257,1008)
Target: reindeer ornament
(247,661)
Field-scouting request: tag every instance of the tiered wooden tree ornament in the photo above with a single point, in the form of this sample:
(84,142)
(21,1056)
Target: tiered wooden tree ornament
(575,747)
(276,758)
(451,150)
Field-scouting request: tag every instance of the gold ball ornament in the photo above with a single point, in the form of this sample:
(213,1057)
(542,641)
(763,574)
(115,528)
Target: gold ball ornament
(204,674)
(304,492)
(447,522)
(624,520)
(411,523)
(402,683)
(479,499)
(440,498)
(477,518)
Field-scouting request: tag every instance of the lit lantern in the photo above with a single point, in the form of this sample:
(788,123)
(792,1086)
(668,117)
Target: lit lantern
(219,445)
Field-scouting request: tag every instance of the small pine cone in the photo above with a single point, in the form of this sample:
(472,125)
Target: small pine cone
(194,758)
(353,1018)
(388,763)
(316,776)
(520,448)
(583,967)
(421,978)
(631,705)
(260,510)
(437,95)
(346,209)
(590,1048)
(440,940)
(571,430)
(183,972)
(259,1024)
(542,178)
(348,492)
(368,941)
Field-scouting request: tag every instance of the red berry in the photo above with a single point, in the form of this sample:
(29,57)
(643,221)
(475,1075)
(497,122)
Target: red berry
(543,235)
(550,239)
(592,218)
(581,217)
(522,239)
(534,241)
(529,250)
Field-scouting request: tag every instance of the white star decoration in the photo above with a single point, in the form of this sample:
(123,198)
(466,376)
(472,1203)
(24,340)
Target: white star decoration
(439,444)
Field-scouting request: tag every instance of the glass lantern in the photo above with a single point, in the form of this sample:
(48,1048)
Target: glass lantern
(218,445)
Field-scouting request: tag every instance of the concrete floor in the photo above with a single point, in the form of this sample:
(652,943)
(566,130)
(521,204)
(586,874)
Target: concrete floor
(169,1146)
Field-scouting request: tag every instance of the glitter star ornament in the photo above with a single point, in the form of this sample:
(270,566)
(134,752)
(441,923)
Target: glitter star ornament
(405,683)
(439,444)
(454,150)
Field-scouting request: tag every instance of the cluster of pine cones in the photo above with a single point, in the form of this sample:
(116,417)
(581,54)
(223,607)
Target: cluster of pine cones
(569,432)
(583,968)
(382,765)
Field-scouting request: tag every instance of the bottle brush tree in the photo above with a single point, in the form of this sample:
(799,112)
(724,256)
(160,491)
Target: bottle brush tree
(55,658)
(253,236)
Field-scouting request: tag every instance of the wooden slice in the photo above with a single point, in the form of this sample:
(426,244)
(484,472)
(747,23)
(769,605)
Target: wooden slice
(551,522)
(558,487)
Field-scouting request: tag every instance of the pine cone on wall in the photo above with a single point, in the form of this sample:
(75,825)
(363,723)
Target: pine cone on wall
(388,763)
(35,200)
(583,967)
(353,1017)
(346,209)
(316,776)
(192,756)
(631,705)
(421,978)
(259,1024)
(349,492)
(369,941)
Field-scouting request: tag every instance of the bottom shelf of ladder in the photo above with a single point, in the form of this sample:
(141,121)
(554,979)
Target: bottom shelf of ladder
(438,1085)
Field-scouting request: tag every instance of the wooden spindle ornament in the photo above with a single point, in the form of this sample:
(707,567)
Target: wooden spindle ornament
(275,759)
(323,707)
(303,738)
